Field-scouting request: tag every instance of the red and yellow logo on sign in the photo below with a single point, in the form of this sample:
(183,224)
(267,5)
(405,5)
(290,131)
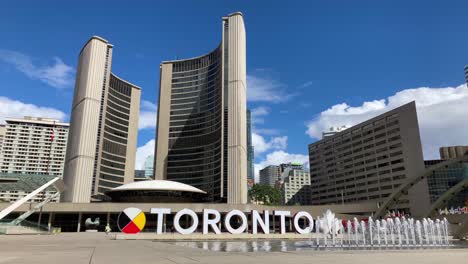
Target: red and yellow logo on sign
(131,220)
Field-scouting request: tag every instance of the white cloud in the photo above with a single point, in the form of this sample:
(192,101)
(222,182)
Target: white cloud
(58,74)
(266,131)
(258,114)
(17,109)
(261,145)
(442,115)
(278,157)
(148,114)
(142,153)
(306,84)
(265,89)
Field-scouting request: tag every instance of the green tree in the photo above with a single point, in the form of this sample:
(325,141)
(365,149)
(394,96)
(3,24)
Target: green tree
(265,194)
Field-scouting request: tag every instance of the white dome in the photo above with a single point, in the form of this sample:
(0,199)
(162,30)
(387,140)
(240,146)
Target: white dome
(157,185)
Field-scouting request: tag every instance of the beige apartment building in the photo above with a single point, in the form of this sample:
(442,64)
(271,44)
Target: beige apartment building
(32,146)
(202,130)
(104,126)
(295,188)
(369,161)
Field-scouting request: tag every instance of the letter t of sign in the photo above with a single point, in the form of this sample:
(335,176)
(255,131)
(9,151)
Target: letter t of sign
(160,212)
(282,215)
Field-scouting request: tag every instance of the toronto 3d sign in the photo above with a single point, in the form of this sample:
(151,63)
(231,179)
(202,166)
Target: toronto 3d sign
(133,220)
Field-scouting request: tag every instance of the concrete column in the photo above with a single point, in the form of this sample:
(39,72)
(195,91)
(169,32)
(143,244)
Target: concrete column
(108,218)
(39,218)
(79,223)
(49,222)
(274,225)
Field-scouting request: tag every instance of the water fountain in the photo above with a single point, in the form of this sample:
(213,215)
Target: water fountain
(380,233)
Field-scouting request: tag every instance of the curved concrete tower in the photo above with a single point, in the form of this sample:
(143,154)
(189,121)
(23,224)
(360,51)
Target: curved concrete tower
(103,127)
(202,130)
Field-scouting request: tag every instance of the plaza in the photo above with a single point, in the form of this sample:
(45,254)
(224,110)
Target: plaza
(74,248)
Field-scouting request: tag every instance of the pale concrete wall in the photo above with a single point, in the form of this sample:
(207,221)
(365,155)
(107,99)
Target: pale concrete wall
(237,107)
(81,148)
(132,135)
(162,128)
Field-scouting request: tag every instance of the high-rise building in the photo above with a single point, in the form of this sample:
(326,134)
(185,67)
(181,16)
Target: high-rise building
(466,74)
(369,161)
(140,176)
(2,136)
(270,175)
(104,125)
(201,130)
(33,149)
(34,145)
(149,167)
(453,152)
(295,188)
(273,175)
(250,149)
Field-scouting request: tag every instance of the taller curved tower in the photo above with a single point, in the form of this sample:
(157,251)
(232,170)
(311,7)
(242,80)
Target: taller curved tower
(202,130)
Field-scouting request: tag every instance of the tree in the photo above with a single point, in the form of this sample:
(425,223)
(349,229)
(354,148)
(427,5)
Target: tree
(265,194)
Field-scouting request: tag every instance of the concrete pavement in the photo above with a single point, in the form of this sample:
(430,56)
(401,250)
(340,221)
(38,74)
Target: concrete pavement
(87,248)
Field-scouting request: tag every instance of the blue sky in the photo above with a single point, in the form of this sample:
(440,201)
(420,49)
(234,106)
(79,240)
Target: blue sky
(310,64)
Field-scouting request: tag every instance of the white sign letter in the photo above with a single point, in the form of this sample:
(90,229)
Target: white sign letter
(298,228)
(282,215)
(160,213)
(257,219)
(227,222)
(192,228)
(212,222)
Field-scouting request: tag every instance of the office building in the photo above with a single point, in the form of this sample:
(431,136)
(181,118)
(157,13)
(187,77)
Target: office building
(445,178)
(201,130)
(295,188)
(269,175)
(140,176)
(369,161)
(250,149)
(34,145)
(453,152)
(149,167)
(104,125)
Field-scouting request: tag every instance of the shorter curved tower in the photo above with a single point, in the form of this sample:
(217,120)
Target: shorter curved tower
(202,130)
(103,127)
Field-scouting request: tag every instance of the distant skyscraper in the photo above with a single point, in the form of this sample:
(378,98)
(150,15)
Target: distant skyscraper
(250,148)
(270,175)
(149,167)
(140,176)
(34,146)
(103,129)
(201,131)
(466,74)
